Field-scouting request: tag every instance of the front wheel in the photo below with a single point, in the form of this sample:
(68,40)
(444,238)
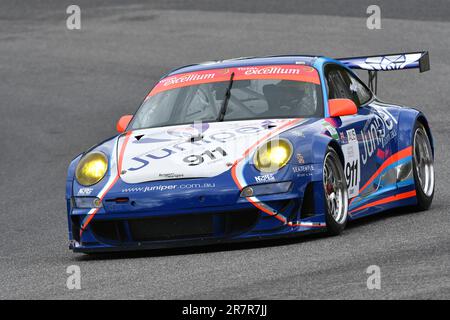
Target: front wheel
(336,194)
(423,167)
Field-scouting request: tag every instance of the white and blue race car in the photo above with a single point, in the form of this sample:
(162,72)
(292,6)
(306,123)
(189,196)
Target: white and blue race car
(252,148)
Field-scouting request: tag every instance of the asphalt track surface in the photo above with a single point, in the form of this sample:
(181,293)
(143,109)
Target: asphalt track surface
(62,91)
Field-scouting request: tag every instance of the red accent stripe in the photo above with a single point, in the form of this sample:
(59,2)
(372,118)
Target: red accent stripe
(393,198)
(246,153)
(233,175)
(394,158)
(122,152)
(270,213)
(119,169)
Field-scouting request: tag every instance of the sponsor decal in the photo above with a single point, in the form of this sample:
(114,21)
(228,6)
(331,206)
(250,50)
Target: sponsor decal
(375,138)
(203,157)
(187,78)
(298,133)
(265,178)
(331,130)
(351,135)
(305,168)
(184,186)
(85,191)
(171,175)
(382,155)
(283,72)
(275,70)
(303,171)
(300,158)
(352,168)
(377,133)
(212,154)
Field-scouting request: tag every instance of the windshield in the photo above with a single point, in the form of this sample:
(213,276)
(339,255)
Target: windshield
(194,97)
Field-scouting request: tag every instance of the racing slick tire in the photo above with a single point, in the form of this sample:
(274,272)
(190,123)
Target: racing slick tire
(423,167)
(336,193)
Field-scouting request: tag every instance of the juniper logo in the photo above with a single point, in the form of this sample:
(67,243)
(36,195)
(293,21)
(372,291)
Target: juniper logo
(73,22)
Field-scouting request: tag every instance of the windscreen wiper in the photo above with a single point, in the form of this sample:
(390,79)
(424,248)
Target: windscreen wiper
(223,109)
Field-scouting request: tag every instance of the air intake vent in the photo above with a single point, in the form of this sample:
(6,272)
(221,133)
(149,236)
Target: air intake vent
(308,208)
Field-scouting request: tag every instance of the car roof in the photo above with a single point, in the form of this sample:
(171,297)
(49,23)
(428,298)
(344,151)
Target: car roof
(245,61)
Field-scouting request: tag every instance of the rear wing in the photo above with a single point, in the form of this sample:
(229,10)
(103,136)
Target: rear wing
(389,62)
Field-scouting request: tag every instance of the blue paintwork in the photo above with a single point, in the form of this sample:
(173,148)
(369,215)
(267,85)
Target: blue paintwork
(310,139)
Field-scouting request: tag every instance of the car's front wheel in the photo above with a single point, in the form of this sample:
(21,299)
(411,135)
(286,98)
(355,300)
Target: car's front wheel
(336,193)
(423,167)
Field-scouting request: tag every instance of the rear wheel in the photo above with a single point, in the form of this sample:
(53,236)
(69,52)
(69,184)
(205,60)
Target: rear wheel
(423,167)
(336,194)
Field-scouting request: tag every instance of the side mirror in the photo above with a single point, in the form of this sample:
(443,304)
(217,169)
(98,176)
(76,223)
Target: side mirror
(123,122)
(341,107)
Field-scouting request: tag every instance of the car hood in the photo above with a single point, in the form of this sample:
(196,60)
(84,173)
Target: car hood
(199,150)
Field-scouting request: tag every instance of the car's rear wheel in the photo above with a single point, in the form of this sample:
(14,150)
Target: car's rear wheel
(336,193)
(423,167)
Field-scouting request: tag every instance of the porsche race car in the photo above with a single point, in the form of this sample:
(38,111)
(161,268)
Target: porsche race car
(252,148)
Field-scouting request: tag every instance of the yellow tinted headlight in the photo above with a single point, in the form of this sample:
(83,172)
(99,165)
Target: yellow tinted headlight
(91,168)
(273,155)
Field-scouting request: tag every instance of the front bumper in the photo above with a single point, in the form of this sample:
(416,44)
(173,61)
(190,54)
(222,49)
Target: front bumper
(212,225)
(159,215)
(169,244)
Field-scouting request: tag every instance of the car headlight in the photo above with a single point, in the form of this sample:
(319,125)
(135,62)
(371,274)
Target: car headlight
(91,168)
(273,155)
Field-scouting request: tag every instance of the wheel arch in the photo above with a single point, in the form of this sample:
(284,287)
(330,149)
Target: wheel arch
(336,146)
(424,121)
(320,144)
(407,119)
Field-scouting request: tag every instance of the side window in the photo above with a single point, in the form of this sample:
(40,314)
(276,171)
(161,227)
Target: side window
(342,84)
(359,90)
(337,86)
